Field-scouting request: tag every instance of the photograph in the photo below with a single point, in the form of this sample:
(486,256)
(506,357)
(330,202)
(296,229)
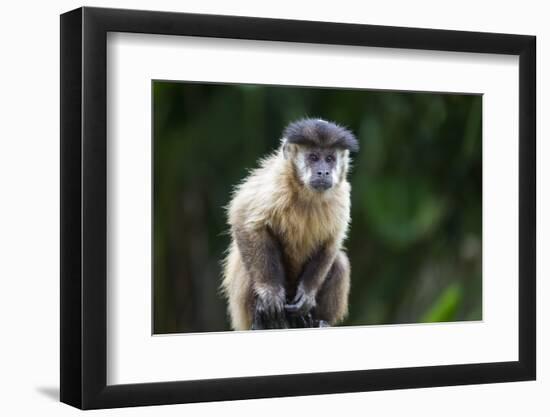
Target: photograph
(255,206)
(285,207)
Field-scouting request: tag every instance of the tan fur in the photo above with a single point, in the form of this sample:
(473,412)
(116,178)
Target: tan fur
(273,196)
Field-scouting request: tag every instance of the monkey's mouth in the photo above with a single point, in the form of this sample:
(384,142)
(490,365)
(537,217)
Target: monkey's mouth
(320,185)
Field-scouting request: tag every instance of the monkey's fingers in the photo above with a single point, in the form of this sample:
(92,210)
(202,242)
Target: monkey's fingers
(271,318)
(257,324)
(275,317)
(281,320)
(303,321)
(292,308)
(264,312)
(292,321)
(296,305)
(309,320)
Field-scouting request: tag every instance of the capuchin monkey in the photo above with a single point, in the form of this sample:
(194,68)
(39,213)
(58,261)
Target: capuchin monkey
(285,266)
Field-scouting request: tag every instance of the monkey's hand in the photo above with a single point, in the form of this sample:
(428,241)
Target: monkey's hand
(303,302)
(269,312)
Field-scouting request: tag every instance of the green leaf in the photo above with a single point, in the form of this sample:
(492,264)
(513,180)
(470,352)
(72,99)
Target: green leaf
(445,307)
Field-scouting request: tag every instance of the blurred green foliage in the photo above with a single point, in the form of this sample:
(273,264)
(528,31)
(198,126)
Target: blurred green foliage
(415,239)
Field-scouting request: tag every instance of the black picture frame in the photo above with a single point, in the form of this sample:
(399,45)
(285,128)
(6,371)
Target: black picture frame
(84,207)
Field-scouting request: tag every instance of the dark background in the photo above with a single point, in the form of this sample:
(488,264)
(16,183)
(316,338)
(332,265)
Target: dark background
(415,238)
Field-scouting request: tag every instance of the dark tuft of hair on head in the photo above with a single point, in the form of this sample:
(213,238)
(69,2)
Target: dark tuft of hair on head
(321,133)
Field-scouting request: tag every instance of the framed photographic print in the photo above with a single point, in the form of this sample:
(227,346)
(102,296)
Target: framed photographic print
(257,207)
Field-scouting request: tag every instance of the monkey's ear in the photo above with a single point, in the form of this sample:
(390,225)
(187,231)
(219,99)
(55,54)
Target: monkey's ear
(286,150)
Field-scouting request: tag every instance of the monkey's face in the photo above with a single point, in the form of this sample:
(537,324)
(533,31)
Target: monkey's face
(320,169)
(319,151)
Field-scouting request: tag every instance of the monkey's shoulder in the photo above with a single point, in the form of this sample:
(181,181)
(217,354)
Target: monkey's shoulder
(251,200)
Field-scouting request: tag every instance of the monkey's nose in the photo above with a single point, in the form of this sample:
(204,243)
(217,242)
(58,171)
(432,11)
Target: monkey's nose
(320,173)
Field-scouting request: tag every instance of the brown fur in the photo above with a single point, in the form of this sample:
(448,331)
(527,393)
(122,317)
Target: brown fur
(272,208)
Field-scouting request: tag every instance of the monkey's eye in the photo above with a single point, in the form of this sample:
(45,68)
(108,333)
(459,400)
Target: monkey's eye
(329,158)
(313,157)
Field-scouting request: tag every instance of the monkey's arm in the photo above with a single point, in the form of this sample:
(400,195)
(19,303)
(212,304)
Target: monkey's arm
(312,278)
(262,257)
